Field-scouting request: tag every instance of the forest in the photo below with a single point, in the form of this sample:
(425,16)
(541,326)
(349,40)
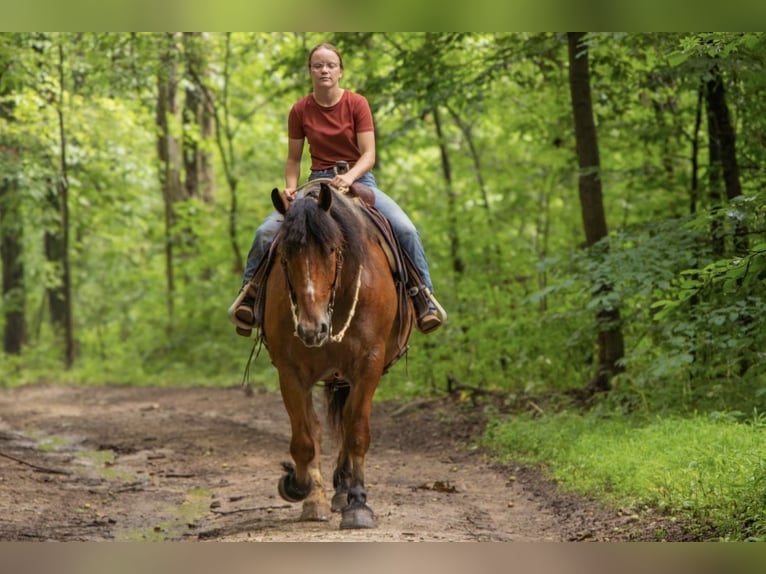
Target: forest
(592,206)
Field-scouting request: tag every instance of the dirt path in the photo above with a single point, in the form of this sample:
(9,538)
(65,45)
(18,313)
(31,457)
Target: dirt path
(126,463)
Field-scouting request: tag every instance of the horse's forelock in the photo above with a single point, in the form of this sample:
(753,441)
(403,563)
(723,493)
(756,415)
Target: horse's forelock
(305,223)
(340,228)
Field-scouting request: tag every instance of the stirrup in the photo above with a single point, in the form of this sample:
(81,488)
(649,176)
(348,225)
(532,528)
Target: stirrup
(442,314)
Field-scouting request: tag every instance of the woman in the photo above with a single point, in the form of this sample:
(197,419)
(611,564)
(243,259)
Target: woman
(338,125)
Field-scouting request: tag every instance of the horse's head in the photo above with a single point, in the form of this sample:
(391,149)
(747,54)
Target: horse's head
(311,249)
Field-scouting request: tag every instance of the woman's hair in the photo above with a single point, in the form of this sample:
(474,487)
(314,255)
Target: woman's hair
(326,46)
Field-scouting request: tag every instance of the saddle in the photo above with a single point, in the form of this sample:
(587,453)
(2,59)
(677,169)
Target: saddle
(401,264)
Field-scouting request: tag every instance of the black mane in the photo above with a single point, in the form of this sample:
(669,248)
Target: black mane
(306,223)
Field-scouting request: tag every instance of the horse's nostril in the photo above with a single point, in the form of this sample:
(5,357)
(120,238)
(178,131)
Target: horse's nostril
(324,328)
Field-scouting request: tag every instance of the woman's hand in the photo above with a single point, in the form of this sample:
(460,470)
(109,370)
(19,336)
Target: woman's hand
(342,181)
(288,194)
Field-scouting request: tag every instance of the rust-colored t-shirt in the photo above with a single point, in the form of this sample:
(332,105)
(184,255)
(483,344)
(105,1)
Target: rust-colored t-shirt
(331,132)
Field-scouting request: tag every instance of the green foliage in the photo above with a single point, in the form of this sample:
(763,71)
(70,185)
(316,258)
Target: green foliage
(695,322)
(494,196)
(706,470)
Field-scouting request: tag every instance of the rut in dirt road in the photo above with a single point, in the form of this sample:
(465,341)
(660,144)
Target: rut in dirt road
(127,463)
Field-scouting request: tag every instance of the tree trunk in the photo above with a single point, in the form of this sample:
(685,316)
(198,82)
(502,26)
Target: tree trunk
(457,262)
(168,151)
(11,225)
(224,138)
(56,235)
(198,123)
(63,193)
(610,341)
(724,152)
(694,192)
(715,183)
(53,240)
(11,240)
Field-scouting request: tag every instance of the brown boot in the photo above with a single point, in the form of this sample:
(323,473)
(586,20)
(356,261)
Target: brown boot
(429,321)
(430,314)
(245,314)
(242,312)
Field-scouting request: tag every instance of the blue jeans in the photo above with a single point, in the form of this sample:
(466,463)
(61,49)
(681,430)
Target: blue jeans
(404,229)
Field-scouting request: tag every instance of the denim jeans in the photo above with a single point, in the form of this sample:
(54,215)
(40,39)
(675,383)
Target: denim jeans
(404,229)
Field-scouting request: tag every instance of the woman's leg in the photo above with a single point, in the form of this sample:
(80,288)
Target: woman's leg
(243,307)
(429,314)
(404,229)
(263,237)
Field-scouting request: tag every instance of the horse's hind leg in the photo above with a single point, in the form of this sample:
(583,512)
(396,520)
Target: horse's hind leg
(303,482)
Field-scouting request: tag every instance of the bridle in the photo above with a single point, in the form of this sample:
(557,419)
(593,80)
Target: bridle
(331,303)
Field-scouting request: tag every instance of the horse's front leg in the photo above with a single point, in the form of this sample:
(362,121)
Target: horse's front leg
(303,481)
(341,481)
(349,475)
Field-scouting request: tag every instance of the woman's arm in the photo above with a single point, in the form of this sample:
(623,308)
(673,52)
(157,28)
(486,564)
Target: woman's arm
(366,161)
(292,168)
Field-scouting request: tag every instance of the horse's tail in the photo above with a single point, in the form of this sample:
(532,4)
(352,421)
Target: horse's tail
(336,394)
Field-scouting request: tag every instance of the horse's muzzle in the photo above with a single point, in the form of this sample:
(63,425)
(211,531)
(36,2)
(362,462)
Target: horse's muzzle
(313,335)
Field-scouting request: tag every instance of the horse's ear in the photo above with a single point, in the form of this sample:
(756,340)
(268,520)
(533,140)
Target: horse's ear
(325,196)
(279,203)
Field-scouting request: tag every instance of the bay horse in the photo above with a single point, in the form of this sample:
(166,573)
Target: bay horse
(331,316)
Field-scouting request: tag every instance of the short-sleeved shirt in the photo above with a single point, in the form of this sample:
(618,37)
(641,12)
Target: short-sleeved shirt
(331,132)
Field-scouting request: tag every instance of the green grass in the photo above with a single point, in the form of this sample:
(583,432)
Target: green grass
(131,369)
(707,470)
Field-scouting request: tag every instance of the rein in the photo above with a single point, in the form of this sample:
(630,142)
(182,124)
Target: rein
(317,180)
(339,337)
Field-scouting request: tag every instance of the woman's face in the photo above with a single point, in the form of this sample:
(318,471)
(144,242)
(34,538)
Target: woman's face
(325,68)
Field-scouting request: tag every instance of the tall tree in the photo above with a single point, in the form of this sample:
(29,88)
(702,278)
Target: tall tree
(11,236)
(45,55)
(454,239)
(11,221)
(611,347)
(197,121)
(724,167)
(220,108)
(62,186)
(169,155)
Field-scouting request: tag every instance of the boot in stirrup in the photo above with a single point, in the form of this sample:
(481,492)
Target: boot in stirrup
(242,311)
(430,314)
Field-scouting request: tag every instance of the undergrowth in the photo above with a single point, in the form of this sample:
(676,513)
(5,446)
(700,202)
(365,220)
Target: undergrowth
(706,470)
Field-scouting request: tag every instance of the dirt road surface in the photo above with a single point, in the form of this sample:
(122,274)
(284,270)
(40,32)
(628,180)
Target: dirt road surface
(163,464)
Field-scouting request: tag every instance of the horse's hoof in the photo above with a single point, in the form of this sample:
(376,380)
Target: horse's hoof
(357,517)
(289,489)
(313,512)
(339,501)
